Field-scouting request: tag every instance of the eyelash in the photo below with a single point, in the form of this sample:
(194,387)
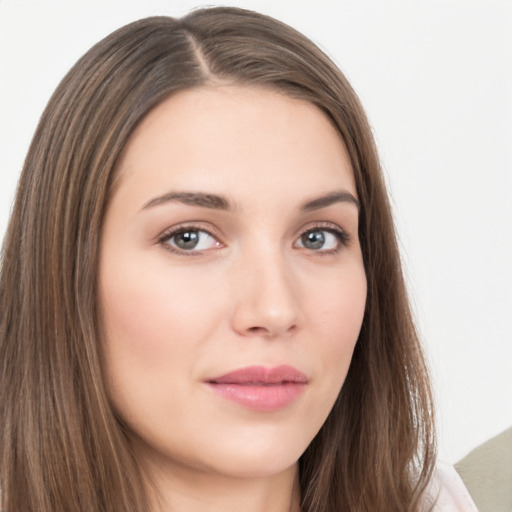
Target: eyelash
(172,232)
(341,235)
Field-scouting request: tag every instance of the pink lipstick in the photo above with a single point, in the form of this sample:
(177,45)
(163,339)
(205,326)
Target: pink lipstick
(259,387)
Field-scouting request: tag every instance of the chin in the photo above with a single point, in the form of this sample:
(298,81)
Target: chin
(249,468)
(257,465)
(246,455)
(261,450)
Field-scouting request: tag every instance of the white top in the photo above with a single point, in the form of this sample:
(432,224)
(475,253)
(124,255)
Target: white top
(448,491)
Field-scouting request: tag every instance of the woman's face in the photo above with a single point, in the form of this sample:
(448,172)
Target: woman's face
(231,280)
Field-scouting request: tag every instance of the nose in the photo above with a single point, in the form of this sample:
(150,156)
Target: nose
(267,303)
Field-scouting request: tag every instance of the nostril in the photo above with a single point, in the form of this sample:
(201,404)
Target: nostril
(264,331)
(258,330)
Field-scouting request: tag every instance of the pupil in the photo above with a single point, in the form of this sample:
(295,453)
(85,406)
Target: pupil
(313,239)
(187,239)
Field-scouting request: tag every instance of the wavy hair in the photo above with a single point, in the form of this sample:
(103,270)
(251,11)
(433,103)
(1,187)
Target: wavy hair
(62,448)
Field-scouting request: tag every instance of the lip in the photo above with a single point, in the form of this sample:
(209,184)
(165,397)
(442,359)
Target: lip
(261,388)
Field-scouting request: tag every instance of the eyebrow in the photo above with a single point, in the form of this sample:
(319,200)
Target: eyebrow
(218,202)
(199,199)
(339,196)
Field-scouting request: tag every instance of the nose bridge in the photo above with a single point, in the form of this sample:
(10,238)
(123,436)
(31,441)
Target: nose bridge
(266,302)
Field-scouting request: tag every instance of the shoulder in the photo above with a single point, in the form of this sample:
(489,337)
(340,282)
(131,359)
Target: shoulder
(447,492)
(487,473)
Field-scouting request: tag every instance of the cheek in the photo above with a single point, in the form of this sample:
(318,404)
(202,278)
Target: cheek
(150,311)
(136,320)
(155,325)
(338,307)
(336,314)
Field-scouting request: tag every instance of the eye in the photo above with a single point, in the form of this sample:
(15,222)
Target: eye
(189,240)
(323,240)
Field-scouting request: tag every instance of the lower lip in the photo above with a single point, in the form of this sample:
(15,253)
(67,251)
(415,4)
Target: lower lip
(264,397)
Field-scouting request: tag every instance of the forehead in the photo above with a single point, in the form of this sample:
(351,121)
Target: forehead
(229,138)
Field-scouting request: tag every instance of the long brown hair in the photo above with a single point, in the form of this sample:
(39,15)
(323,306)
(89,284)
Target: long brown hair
(62,448)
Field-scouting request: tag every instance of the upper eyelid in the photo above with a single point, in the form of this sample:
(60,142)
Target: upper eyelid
(343,237)
(202,226)
(322,225)
(192,226)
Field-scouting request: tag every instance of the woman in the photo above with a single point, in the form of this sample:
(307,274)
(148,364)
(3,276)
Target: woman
(201,294)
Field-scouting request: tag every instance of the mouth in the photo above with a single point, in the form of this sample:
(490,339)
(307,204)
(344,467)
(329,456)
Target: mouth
(260,388)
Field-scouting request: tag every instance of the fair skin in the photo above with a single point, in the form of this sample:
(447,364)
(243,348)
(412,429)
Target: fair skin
(230,241)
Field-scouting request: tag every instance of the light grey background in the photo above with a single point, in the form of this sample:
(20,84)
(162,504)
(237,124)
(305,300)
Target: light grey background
(436,80)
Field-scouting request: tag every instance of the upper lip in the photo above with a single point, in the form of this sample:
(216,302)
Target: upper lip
(262,375)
